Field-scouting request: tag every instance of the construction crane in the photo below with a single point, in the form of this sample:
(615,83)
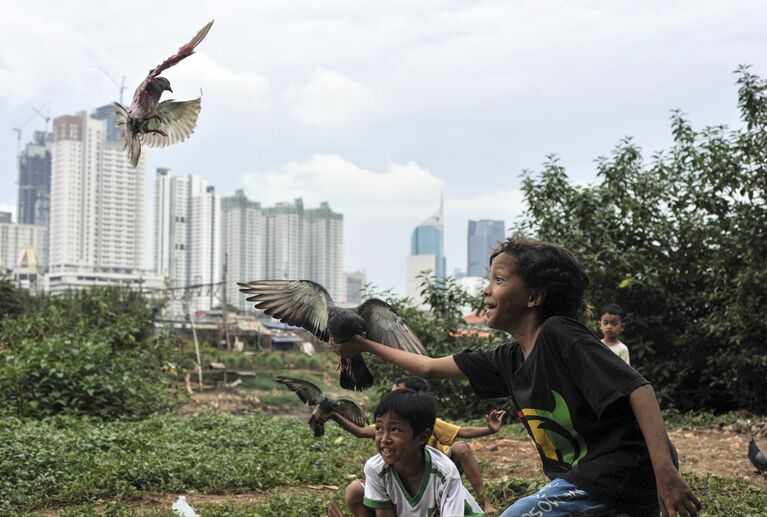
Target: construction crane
(37,111)
(46,117)
(120,85)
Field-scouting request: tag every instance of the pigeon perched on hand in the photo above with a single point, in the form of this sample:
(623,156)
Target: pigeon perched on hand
(757,457)
(307,304)
(313,396)
(156,123)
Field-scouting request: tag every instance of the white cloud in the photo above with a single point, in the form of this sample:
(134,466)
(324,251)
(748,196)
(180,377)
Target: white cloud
(331,99)
(381,209)
(222,87)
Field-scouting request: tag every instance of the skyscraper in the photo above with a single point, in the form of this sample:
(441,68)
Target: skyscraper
(324,245)
(426,252)
(187,236)
(243,239)
(98,205)
(285,257)
(34,204)
(355,281)
(483,235)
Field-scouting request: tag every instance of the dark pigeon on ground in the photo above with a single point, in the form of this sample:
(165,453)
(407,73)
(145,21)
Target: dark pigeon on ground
(307,304)
(155,123)
(757,457)
(313,396)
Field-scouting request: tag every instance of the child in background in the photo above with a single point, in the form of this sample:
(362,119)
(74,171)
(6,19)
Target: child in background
(442,438)
(611,325)
(407,477)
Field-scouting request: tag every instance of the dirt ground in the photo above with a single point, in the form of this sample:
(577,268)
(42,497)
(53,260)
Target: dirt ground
(701,452)
(717,451)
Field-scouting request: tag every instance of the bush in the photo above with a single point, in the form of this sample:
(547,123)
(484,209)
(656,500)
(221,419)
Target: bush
(274,361)
(88,353)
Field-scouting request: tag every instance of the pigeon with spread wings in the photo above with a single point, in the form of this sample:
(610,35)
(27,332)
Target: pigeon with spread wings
(312,395)
(307,304)
(156,123)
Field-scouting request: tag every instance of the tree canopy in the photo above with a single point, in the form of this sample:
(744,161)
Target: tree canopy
(679,241)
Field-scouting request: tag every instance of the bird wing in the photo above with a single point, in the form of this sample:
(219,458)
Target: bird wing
(183,52)
(387,327)
(179,118)
(351,411)
(306,391)
(296,302)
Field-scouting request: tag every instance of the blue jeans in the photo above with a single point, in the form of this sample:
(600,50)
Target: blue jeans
(559,498)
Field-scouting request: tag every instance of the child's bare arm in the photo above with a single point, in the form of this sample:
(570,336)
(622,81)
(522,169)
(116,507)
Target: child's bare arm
(348,425)
(673,493)
(494,423)
(425,366)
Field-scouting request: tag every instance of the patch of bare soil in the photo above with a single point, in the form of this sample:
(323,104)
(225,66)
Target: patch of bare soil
(220,400)
(702,452)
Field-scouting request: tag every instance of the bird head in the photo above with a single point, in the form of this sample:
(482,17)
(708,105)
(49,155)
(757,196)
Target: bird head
(345,324)
(161,84)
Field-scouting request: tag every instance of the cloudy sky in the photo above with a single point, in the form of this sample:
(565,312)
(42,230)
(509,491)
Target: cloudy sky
(381,107)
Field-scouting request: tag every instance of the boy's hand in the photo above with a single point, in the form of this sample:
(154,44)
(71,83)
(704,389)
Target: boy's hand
(320,416)
(495,420)
(347,349)
(675,497)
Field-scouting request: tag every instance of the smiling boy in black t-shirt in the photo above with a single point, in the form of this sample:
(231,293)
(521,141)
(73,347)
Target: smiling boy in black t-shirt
(595,421)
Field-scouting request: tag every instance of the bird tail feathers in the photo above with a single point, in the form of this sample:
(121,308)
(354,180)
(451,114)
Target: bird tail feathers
(131,141)
(356,376)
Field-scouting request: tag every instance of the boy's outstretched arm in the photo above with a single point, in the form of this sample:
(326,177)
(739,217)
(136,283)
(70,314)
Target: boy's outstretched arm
(425,366)
(494,423)
(345,423)
(676,498)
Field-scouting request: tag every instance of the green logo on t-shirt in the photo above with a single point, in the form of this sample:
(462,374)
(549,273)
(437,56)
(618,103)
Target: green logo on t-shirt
(553,432)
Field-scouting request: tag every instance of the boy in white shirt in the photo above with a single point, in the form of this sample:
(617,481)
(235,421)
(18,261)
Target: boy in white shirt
(611,325)
(407,477)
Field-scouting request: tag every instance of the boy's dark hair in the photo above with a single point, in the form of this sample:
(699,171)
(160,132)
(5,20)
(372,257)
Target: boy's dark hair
(552,271)
(419,408)
(414,382)
(612,308)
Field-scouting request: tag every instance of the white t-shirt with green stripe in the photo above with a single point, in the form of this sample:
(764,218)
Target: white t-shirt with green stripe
(440,492)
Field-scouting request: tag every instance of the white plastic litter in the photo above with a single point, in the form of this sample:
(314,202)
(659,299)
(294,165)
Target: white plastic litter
(182,508)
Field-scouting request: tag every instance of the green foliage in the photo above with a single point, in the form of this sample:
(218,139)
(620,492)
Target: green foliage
(274,361)
(90,353)
(67,460)
(11,299)
(442,332)
(681,243)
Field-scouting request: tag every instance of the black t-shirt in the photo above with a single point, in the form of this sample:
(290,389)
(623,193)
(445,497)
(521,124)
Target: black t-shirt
(572,396)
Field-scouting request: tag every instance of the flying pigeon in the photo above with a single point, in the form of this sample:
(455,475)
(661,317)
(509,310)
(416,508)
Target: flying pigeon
(757,457)
(156,123)
(312,395)
(307,304)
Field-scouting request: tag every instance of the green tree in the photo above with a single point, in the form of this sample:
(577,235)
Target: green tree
(680,241)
